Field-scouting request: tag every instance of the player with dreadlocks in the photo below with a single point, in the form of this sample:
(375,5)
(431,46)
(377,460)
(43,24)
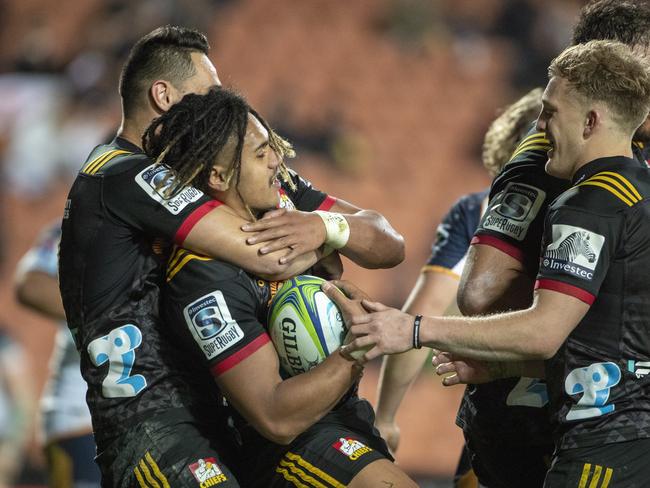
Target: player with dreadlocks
(117,222)
(302,428)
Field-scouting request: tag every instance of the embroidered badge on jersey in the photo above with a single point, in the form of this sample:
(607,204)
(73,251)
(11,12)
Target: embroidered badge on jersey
(574,251)
(207,472)
(352,448)
(153,180)
(211,324)
(285,201)
(513,209)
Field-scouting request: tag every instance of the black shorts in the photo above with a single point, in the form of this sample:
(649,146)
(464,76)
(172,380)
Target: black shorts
(71,462)
(619,465)
(329,454)
(167,451)
(502,465)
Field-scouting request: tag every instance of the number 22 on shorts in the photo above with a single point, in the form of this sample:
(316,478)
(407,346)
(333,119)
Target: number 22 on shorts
(594,382)
(118,348)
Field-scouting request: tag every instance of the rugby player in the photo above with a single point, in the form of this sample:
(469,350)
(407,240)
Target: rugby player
(66,435)
(218,313)
(504,259)
(116,223)
(589,317)
(435,290)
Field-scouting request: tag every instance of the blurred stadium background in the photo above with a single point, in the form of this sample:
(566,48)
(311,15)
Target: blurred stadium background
(387,102)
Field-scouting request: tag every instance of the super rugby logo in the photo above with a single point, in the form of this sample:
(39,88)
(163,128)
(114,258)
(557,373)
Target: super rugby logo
(156,179)
(211,324)
(207,472)
(352,448)
(574,251)
(513,210)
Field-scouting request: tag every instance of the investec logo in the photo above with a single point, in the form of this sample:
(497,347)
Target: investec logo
(513,210)
(574,251)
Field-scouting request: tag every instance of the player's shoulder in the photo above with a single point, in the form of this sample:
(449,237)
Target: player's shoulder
(472,202)
(115,158)
(187,270)
(608,188)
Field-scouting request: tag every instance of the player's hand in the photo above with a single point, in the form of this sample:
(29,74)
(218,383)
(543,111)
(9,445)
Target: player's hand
(461,371)
(329,268)
(298,231)
(383,330)
(390,433)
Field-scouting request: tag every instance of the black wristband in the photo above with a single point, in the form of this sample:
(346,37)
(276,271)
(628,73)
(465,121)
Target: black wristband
(416,332)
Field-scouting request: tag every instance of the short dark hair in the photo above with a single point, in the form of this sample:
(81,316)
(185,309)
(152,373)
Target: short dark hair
(626,21)
(163,53)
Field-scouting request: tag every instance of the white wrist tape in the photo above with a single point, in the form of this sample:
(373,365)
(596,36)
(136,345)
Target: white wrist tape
(337,229)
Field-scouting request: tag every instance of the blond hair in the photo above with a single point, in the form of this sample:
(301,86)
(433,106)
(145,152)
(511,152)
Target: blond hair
(506,131)
(608,72)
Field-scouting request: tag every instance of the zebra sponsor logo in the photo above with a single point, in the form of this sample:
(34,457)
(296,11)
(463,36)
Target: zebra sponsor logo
(574,251)
(211,324)
(513,209)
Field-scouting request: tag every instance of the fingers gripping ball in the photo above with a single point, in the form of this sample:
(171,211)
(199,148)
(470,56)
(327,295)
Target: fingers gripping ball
(304,324)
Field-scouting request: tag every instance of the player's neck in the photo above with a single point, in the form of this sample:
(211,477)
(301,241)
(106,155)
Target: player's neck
(605,147)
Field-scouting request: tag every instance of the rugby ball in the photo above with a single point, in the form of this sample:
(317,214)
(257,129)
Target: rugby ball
(304,324)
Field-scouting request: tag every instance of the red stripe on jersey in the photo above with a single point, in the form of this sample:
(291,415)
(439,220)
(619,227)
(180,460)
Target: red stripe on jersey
(240,355)
(327,203)
(502,246)
(189,223)
(566,289)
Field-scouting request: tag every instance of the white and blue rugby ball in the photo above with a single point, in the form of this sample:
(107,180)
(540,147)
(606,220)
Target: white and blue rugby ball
(304,324)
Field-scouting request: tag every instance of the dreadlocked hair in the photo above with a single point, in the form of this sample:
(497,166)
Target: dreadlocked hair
(189,138)
(507,130)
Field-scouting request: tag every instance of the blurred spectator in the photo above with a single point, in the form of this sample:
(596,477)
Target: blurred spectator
(16,407)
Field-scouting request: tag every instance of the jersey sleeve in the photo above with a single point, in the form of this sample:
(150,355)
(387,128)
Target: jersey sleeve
(220,321)
(43,256)
(304,196)
(453,237)
(577,250)
(519,198)
(136,197)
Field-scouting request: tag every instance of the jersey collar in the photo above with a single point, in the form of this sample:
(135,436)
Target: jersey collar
(600,164)
(126,145)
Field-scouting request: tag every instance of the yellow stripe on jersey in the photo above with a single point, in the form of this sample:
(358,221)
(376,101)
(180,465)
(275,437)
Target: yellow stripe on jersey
(596,477)
(156,470)
(434,268)
(624,190)
(147,474)
(290,478)
(313,469)
(609,188)
(177,254)
(608,476)
(140,479)
(286,466)
(96,164)
(586,469)
(623,180)
(171,272)
(531,143)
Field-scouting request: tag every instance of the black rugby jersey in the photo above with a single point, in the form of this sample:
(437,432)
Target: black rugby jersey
(597,249)
(115,230)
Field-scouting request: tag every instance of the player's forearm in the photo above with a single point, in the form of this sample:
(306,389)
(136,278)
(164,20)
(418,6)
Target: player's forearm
(299,402)
(492,284)
(515,336)
(273,271)
(373,242)
(40,292)
(398,372)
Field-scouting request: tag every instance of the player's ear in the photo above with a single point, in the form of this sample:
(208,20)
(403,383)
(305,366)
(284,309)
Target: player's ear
(162,95)
(592,121)
(219,178)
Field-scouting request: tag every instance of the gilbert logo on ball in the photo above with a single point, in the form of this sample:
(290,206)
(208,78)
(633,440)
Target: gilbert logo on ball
(304,324)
